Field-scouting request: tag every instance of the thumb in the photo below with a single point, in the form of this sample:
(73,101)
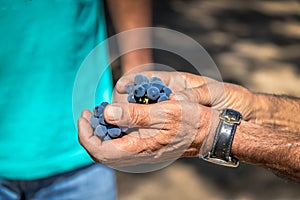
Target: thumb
(134,115)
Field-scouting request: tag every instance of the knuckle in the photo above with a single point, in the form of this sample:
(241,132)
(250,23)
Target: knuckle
(138,116)
(172,114)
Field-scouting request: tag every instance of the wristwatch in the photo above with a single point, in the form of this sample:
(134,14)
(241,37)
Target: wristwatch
(218,149)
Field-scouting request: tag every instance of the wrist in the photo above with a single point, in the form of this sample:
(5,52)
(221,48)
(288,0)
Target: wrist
(208,128)
(265,110)
(206,125)
(259,108)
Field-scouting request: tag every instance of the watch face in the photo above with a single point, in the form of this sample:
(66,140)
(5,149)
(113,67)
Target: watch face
(231,116)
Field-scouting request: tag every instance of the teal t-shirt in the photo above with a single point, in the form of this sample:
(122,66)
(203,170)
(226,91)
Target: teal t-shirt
(42,45)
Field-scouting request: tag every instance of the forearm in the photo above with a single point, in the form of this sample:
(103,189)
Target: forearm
(279,151)
(130,14)
(278,112)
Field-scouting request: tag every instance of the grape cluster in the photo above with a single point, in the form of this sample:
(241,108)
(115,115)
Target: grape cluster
(142,91)
(102,129)
(145,91)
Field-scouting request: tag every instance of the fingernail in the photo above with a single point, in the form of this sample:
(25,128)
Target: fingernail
(114,113)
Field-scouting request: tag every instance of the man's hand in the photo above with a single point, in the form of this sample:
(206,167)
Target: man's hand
(280,112)
(170,130)
(203,90)
(177,128)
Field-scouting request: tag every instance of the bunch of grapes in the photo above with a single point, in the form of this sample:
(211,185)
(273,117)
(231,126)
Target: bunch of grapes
(146,91)
(102,129)
(142,91)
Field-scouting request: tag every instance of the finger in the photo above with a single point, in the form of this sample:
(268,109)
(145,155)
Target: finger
(164,138)
(107,152)
(139,115)
(117,152)
(86,114)
(85,134)
(130,150)
(198,95)
(175,80)
(128,143)
(133,115)
(154,119)
(209,94)
(123,151)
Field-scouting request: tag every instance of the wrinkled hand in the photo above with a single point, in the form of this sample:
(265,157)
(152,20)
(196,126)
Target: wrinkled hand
(163,131)
(203,90)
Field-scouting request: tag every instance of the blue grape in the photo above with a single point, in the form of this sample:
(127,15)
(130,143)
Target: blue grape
(163,97)
(101,120)
(139,91)
(96,114)
(153,93)
(98,110)
(114,132)
(155,79)
(107,138)
(104,104)
(146,86)
(100,131)
(131,98)
(129,88)
(167,90)
(139,79)
(158,85)
(94,121)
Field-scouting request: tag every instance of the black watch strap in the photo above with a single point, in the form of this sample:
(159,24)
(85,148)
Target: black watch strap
(217,148)
(223,141)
